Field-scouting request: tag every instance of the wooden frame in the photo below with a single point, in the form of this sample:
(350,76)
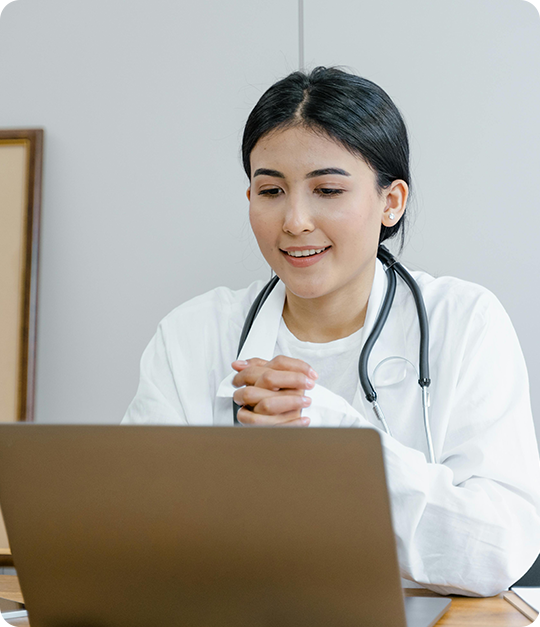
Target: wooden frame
(21,157)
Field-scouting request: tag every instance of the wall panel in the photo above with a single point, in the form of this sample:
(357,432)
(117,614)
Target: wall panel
(143,104)
(465,74)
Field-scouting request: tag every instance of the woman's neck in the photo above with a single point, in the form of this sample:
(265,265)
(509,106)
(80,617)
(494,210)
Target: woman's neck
(329,317)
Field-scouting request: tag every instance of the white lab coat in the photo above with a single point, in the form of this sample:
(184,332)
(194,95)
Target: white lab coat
(469,524)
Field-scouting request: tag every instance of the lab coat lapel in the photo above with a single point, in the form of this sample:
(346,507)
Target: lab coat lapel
(262,338)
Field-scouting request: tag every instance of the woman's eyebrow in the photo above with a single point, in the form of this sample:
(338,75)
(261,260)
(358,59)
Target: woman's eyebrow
(311,175)
(324,171)
(267,172)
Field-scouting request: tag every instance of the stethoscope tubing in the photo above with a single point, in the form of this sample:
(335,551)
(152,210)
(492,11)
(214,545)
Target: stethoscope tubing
(368,388)
(254,310)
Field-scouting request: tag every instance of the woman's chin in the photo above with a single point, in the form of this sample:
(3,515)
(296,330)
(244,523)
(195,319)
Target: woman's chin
(306,289)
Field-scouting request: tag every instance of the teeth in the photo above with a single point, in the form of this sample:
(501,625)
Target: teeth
(305,253)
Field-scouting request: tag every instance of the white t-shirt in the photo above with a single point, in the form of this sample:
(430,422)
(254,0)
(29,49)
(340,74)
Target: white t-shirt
(335,362)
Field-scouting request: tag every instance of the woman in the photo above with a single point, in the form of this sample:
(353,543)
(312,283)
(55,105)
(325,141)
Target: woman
(327,156)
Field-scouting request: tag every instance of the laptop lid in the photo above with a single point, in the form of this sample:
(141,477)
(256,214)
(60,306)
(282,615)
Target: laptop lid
(135,525)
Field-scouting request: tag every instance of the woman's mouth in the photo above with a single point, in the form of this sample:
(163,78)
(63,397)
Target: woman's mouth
(305,253)
(303,258)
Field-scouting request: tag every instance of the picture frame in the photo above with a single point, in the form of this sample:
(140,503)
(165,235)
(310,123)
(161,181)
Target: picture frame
(21,160)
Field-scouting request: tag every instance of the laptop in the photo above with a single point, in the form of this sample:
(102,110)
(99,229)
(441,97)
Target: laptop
(131,526)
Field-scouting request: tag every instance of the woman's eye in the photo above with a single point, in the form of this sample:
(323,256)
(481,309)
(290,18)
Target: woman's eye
(328,191)
(321,191)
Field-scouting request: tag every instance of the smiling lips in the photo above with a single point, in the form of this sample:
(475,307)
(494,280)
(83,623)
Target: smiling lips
(305,253)
(303,256)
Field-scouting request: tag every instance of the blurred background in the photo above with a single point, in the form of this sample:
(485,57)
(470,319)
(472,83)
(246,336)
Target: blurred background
(143,104)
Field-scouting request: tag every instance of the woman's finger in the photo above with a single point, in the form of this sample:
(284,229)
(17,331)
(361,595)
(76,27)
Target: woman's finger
(251,370)
(299,422)
(279,404)
(284,379)
(247,376)
(241,364)
(249,418)
(273,379)
(267,402)
(282,362)
(250,395)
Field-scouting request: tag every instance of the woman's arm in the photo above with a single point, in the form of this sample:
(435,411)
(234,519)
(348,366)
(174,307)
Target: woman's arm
(470,524)
(157,400)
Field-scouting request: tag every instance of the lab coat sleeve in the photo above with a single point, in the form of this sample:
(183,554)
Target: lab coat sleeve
(470,524)
(157,400)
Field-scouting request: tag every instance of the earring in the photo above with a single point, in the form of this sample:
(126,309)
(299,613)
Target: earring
(391,216)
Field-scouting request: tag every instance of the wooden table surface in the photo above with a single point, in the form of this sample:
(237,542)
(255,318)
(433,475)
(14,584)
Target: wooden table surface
(464,611)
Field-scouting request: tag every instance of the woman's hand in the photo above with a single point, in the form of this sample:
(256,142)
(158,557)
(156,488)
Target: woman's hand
(274,391)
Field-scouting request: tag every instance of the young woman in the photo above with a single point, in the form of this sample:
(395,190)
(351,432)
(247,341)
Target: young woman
(327,159)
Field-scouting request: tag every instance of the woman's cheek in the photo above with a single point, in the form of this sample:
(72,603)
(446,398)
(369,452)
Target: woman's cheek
(264,230)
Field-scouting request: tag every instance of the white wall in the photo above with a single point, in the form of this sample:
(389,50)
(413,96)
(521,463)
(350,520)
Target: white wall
(143,104)
(144,205)
(466,76)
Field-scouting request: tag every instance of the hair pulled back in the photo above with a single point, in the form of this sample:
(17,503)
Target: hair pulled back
(347,108)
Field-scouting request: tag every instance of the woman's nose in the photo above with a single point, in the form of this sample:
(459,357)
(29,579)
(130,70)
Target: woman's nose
(298,216)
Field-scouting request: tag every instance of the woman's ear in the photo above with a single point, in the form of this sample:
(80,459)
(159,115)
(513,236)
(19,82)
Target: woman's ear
(248,193)
(396,201)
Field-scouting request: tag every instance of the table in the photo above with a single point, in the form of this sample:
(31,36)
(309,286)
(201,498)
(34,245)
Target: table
(464,612)
(5,557)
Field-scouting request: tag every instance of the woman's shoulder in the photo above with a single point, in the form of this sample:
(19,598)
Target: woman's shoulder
(455,297)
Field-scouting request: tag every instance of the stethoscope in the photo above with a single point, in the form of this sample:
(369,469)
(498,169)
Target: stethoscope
(391,266)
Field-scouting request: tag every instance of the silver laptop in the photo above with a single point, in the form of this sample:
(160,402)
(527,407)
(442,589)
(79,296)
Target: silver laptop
(128,526)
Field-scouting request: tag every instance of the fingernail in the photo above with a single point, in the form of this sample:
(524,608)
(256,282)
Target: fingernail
(310,384)
(240,362)
(313,374)
(306,401)
(305,421)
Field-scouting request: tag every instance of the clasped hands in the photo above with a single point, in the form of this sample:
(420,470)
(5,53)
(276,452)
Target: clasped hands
(271,393)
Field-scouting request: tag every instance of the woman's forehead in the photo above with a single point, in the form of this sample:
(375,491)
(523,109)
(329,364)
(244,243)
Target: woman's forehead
(302,150)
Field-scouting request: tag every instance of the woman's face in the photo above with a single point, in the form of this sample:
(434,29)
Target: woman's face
(308,192)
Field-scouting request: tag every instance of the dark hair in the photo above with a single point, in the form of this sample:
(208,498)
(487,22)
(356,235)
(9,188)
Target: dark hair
(352,110)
